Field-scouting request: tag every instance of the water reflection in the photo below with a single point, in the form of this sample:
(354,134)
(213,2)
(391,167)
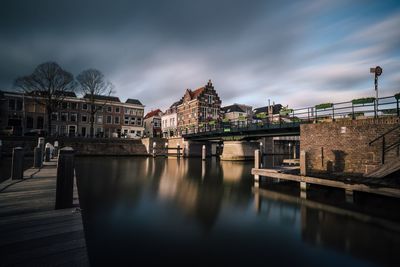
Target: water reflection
(161,211)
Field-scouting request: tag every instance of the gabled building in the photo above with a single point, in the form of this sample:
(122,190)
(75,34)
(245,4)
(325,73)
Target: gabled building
(132,119)
(267,113)
(169,121)
(200,110)
(237,114)
(152,123)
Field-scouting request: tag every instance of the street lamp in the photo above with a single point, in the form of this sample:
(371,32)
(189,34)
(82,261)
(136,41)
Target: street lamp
(377,71)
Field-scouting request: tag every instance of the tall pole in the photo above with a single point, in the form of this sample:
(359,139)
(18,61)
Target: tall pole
(377,71)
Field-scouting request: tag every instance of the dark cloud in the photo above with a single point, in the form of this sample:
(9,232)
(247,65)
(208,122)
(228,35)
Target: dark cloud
(153,50)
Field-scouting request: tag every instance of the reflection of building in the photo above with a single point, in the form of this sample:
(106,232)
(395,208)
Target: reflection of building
(152,123)
(199,109)
(169,121)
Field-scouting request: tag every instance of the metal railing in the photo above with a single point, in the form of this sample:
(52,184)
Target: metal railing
(382,107)
(384,147)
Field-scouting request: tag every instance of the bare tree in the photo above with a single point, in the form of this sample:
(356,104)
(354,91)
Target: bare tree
(95,90)
(49,84)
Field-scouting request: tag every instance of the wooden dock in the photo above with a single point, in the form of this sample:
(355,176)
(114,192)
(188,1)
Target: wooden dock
(348,186)
(32,232)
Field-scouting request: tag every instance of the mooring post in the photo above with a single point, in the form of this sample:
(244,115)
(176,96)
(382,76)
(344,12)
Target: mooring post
(56,147)
(303,190)
(261,154)
(17,167)
(203,152)
(37,157)
(154,149)
(166,149)
(178,151)
(65,178)
(41,144)
(47,153)
(256,163)
(349,195)
(303,163)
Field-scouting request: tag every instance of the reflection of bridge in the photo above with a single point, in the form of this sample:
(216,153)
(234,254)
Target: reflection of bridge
(288,121)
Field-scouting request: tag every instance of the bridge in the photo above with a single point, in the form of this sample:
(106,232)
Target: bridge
(288,121)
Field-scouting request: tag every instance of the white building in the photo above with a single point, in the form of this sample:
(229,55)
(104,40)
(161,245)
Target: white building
(169,121)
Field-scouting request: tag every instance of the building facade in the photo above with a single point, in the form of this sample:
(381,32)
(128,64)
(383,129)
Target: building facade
(169,121)
(152,123)
(238,114)
(72,118)
(200,110)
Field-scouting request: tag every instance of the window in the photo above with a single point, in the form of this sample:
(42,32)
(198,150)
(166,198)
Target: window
(11,104)
(19,105)
(29,122)
(138,133)
(64,105)
(73,106)
(109,109)
(210,99)
(73,117)
(116,120)
(127,110)
(126,121)
(139,121)
(109,119)
(64,116)
(99,119)
(133,121)
(132,131)
(54,116)
(85,106)
(84,118)
(117,110)
(63,129)
(100,108)
(39,122)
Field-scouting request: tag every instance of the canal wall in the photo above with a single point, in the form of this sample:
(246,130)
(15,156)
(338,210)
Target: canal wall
(82,146)
(342,147)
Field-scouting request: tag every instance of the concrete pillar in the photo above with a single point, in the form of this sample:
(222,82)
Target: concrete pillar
(256,163)
(239,150)
(65,178)
(37,157)
(349,195)
(303,190)
(17,167)
(203,152)
(56,147)
(178,151)
(303,163)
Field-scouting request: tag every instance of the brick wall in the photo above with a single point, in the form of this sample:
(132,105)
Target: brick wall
(342,147)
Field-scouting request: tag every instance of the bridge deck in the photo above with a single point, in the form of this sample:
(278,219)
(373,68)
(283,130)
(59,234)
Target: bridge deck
(34,233)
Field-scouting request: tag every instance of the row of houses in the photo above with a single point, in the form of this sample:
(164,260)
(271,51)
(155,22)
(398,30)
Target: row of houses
(200,110)
(24,115)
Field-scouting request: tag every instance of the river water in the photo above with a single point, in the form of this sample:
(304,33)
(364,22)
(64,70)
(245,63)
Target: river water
(144,211)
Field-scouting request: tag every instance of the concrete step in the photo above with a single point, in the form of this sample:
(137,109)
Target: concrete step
(385,169)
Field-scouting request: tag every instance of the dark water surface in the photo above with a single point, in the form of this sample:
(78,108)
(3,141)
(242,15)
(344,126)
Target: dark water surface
(142,211)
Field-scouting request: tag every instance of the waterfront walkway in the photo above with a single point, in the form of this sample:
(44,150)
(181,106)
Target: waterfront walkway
(34,233)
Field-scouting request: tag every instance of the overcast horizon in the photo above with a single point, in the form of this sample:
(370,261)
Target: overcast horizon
(295,53)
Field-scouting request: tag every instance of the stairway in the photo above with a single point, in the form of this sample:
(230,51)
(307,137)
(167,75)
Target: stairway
(385,169)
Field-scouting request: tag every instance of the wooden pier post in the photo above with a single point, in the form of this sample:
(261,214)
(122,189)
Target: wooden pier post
(203,152)
(65,178)
(41,145)
(17,168)
(47,153)
(256,163)
(178,151)
(37,157)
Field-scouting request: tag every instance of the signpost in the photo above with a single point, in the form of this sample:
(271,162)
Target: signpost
(378,71)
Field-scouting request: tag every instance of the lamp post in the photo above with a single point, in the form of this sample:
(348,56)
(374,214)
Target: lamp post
(377,71)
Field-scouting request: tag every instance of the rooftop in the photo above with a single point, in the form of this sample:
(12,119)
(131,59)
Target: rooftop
(104,98)
(153,113)
(133,101)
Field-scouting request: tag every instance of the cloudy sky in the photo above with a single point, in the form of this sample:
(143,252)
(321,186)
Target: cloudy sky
(297,53)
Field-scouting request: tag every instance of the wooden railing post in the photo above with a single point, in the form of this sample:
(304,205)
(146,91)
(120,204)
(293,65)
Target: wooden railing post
(65,178)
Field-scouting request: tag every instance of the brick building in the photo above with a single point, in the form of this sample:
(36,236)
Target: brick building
(152,123)
(200,110)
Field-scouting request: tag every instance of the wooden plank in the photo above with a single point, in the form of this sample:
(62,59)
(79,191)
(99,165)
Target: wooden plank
(385,191)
